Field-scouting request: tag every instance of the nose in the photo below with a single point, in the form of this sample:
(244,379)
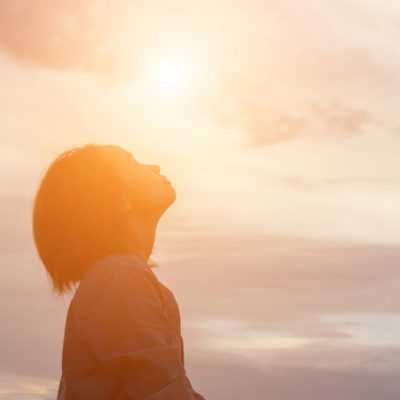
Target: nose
(155,168)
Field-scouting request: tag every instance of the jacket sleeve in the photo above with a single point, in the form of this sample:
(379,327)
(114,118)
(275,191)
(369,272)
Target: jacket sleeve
(128,332)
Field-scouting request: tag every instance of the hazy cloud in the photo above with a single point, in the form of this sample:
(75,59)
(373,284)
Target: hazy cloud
(298,183)
(270,125)
(258,291)
(396,130)
(303,184)
(266,126)
(340,120)
(298,280)
(88,34)
(366,373)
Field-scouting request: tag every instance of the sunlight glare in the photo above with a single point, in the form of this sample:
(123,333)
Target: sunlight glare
(171,75)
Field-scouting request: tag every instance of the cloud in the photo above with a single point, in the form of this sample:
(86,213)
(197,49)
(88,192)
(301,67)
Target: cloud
(267,285)
(298,280)
(88,34)
(298,374)
(12,387)
(324,120)
(307,185)
(340,119)
(297,183)
(396,130)
(268,125)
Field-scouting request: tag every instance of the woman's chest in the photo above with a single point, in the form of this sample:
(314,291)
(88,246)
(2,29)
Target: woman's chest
(172,309)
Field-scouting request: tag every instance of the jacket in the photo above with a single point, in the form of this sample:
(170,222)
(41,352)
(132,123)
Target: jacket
(122,338)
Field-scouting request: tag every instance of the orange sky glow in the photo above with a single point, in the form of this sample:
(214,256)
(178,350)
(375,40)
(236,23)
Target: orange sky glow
(277,124)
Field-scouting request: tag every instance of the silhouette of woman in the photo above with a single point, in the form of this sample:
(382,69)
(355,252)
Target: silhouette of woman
(94,223)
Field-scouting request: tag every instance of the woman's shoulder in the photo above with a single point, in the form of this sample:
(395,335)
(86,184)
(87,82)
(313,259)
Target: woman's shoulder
(116,263)
(115,268)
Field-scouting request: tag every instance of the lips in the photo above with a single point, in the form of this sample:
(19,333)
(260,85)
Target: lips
(165,178)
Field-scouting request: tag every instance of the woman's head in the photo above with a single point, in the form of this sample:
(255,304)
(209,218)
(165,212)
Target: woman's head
(90,203)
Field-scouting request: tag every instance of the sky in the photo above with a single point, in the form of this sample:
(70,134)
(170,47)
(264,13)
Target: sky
(277,123)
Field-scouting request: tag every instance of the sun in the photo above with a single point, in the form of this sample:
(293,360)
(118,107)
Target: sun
(171,76)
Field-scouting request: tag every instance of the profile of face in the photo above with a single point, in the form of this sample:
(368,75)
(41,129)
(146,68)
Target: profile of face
(150,193)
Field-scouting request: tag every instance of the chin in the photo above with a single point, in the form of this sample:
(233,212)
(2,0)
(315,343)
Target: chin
(167,197)
(171,195)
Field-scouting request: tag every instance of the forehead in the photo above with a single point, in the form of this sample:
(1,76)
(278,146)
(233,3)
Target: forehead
(115,151)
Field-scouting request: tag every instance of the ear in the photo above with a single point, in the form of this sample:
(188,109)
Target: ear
(126,205)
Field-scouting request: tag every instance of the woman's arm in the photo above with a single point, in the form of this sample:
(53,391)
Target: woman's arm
(129,334)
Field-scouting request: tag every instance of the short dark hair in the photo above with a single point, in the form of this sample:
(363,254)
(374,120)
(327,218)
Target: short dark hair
(77,215)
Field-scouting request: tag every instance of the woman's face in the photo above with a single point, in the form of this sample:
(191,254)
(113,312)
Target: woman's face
(151,192)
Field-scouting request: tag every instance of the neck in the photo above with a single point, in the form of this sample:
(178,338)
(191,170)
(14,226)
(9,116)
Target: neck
(143,233)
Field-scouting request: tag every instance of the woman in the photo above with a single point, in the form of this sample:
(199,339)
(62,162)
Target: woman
(94,223)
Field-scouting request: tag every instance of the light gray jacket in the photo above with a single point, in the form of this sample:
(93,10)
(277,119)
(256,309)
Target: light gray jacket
(122,336)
